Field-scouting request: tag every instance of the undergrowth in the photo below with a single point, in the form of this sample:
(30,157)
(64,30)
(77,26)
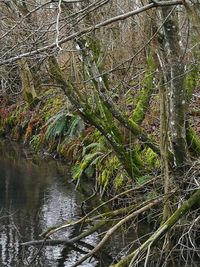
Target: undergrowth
(51,128)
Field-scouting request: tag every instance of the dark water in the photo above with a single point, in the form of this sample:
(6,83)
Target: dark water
(33,197)
(38,193)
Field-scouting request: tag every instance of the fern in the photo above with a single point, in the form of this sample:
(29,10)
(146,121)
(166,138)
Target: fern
(75,127)
(56,126)
(64,124)
(93,147)
(88,161)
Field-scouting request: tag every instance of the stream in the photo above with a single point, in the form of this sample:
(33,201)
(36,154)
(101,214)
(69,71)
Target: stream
(36,194)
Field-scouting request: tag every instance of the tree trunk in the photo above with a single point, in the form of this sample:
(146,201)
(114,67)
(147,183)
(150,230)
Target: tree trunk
(27,81)
(177,91)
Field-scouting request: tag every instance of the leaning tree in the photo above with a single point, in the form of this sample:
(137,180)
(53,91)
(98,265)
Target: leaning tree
(97,53)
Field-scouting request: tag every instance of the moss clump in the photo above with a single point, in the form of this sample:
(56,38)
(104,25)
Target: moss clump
(119,180)
(191,80)
(193,141)
(52,102)
(146,92)
(151,158)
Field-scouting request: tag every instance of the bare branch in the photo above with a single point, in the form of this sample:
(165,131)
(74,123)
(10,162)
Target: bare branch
(89,29)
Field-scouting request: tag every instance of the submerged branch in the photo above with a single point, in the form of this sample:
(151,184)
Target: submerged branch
(57,228)
(115,227)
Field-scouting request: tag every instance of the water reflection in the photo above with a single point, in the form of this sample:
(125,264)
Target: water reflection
(32,198)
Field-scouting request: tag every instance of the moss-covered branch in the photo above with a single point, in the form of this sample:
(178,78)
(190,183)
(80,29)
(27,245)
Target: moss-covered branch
(100,86)
(109,131)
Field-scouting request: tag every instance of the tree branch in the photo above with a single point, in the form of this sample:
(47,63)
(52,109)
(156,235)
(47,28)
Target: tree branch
(91,28)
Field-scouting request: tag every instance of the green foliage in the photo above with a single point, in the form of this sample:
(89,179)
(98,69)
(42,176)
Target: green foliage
(110,170)
(75,127)
(146,92)
(64,124)
(193,141)
(143,179)
(88,161)
(119,180)
(92,154)
(97,160)
(191,80)
(56,126)
(104,178)
(151,158)
(36,142)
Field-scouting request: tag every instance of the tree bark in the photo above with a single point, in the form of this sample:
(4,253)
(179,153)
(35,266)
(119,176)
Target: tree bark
(177,90)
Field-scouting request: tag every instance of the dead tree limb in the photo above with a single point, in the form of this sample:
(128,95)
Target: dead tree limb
(51,230)
(162,230)
(91,28)
(115,227)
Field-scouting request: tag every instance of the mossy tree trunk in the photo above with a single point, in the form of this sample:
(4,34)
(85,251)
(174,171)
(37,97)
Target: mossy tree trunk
(192,79)
(103,105)
(27,81)
(131,124)
(107,128)
(143,100)
(164,147)
(177,91)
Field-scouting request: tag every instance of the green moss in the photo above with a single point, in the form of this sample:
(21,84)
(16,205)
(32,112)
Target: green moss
(151,158)
(191,80)
(55,71)
(146,92)
(53,102)
(193,141)
(137,159)
(119,180)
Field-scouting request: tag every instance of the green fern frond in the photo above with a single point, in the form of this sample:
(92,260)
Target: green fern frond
(92,146)
(87,161)
(56,126)
(76,126)
(64,124)
(104,179)
(77,172)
